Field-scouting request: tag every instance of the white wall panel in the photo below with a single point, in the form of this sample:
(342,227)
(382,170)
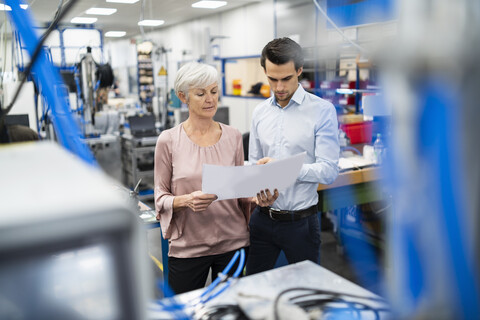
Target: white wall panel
(122,53)
(249,29)
(25,103)
(240,111)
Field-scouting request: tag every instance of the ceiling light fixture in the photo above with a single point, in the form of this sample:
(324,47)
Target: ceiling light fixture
(115,34)
(204,4)
(24,6)
(122,1)
(151,23)
(83,20)
(101,11)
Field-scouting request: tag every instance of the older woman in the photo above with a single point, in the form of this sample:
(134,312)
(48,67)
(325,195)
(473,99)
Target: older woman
(202,234)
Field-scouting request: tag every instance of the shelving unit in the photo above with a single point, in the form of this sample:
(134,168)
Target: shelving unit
(325,70)
(138,156)
(329,70)
(146,86)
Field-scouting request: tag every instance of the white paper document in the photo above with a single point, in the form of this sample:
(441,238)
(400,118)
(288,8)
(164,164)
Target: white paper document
(247,181)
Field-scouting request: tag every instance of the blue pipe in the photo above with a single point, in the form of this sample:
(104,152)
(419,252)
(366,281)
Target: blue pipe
(230,281)
(51,86)
(240,264)
(221,276)
(174,307)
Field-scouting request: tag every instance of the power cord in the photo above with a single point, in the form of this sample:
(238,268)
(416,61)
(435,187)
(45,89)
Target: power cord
(226,311)
(327,304)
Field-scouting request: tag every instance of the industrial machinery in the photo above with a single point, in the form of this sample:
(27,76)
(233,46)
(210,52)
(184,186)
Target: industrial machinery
(93,81)
(87,95)
(76,249)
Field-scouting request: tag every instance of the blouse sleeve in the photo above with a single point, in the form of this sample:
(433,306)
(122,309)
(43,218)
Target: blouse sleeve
(163,180)
(244,203)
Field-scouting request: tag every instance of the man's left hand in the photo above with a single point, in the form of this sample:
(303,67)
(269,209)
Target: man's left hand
(265,160)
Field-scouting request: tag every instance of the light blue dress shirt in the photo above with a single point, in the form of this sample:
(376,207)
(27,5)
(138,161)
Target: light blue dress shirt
(308,123)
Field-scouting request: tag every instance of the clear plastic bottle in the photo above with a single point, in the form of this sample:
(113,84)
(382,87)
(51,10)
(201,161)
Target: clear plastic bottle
(379,149)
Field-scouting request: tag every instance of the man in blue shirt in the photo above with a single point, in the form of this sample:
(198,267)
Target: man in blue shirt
(290,122)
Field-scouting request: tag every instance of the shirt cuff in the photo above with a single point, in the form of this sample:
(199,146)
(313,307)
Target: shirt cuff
(302,173)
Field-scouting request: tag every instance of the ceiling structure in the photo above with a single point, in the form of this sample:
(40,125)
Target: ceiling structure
(127,15)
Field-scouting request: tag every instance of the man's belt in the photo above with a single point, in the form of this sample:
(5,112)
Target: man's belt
(286,215)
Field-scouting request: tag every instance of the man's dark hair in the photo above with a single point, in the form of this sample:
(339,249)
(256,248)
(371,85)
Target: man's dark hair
(282,50)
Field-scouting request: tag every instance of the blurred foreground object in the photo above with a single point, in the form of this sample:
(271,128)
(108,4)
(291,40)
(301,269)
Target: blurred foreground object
(431,80)
(70,246)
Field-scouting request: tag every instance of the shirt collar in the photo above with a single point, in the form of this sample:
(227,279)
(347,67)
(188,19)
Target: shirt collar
(297,97)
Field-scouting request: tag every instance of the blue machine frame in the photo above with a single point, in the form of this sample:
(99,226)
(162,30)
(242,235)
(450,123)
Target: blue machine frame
(51,85)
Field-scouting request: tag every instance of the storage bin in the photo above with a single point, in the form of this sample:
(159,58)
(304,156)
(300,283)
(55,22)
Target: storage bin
(360,132)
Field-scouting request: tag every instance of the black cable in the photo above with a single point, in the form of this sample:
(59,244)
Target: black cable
(36,52)
(353,306)
(226,311)
(321,303)
(4,136)
(332,294)
(326,306)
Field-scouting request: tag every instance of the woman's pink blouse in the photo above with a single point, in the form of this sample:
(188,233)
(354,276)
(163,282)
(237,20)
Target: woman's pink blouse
(221,228)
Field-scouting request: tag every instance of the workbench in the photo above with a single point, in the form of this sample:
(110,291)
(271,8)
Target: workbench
(340,202)
(351,187)
(255,296)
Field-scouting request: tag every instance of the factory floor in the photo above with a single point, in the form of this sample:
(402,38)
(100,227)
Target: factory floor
(333,257)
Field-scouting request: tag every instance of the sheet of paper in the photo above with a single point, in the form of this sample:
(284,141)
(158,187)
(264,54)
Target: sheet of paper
(246,181)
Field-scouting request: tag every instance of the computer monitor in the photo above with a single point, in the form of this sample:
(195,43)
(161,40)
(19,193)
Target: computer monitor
(17,119)
(69,80)
(142,125)
(222,115)
(71,246)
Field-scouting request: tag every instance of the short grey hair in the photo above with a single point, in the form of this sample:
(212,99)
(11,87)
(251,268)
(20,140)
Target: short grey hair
(194,75)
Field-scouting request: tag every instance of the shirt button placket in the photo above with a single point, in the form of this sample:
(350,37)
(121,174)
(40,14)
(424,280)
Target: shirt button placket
(278,151)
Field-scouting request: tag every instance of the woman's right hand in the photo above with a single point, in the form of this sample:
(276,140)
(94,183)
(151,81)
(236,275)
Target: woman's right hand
(199,201)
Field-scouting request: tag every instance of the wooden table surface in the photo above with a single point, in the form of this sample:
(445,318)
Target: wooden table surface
(353,177)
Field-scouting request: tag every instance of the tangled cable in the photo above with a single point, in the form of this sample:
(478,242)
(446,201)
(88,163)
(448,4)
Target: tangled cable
(331,301)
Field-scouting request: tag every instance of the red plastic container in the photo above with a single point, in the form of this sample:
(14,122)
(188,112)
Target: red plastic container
(360,132)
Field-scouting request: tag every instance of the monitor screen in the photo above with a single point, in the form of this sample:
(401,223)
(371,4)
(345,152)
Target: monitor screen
(143,125)
(71,283)
(69,80)
(17,119)
(222,115)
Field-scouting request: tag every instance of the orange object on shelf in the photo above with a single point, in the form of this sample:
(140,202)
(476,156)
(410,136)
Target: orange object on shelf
(237,87)
(265,90)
